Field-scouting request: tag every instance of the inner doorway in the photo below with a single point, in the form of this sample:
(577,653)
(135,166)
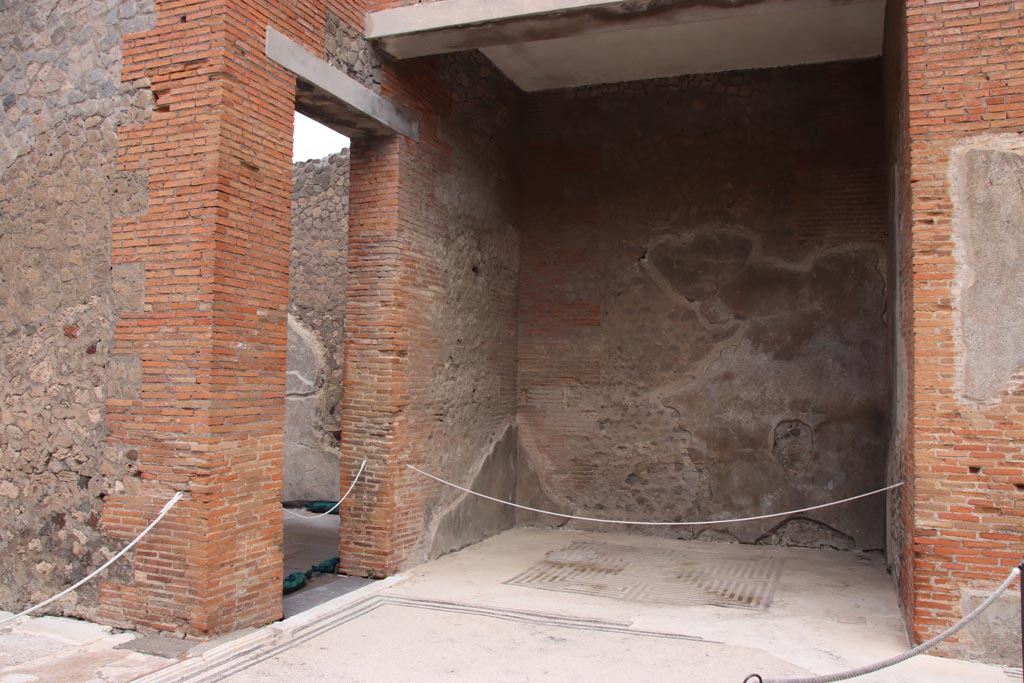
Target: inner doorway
(316,313)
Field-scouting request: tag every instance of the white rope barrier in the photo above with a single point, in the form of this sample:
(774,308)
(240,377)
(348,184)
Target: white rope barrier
(902,657)
(167,508)
(336,505)
(626,521)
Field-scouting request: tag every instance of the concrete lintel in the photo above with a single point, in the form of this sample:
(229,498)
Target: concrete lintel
(454,25)
(331,97)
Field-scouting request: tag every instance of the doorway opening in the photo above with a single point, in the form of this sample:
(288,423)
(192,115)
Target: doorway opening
(316,313)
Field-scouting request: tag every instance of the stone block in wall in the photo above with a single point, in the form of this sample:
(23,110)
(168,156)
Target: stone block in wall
(989,199)
(995,635)
(124,376)
(129,287)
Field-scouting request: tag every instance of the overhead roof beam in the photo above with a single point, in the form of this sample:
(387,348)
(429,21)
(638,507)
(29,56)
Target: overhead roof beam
(328,95)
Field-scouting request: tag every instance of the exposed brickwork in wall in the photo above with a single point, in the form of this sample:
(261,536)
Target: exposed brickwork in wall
(966,80)
(316,307)
(702,300)
(372,373)
(62,103)
(430,323)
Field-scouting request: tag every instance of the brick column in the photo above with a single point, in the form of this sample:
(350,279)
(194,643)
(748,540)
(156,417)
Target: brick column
(210,334)
(965,74)
(375,356)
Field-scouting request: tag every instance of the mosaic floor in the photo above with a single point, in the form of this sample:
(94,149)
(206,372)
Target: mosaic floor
(716,575)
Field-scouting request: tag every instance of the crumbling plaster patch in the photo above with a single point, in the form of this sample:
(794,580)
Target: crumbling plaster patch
(987,188)
(703,315)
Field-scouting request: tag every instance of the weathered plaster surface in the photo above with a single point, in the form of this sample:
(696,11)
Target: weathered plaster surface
(995,635)
(472,518)
(988,181)
(463,399)
(703,297)
(986,176)
(315,323)
(62,105)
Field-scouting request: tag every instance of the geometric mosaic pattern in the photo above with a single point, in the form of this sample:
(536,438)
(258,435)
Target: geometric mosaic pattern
(716,575)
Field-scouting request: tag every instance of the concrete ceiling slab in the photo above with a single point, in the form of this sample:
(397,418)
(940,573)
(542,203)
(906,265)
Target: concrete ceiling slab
(452,25)
(771,34)
(546,44)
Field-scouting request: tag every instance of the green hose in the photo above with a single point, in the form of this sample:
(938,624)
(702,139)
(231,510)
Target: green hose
(321,506)
(297,580)
(294,582)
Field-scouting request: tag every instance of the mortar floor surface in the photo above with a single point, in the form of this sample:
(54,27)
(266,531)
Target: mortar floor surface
(553,605)
(310,539)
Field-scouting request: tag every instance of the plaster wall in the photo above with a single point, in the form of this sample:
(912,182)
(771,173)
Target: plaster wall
(63,103)
(430,331)
(463,405)
(702,320)
(989,195)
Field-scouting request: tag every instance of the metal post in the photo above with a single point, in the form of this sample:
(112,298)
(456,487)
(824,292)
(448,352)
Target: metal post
(1021,568)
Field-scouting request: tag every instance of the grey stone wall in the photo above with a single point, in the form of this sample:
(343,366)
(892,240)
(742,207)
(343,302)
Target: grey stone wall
(62,103)
(702,326)
(315,322)
(347,49)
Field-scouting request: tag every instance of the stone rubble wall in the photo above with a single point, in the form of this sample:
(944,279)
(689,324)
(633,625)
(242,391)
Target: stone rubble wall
(316,316)
(62,106)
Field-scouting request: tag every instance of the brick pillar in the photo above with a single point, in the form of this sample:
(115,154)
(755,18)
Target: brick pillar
(375,356)
(210,334)
(965,75)
(396,281)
